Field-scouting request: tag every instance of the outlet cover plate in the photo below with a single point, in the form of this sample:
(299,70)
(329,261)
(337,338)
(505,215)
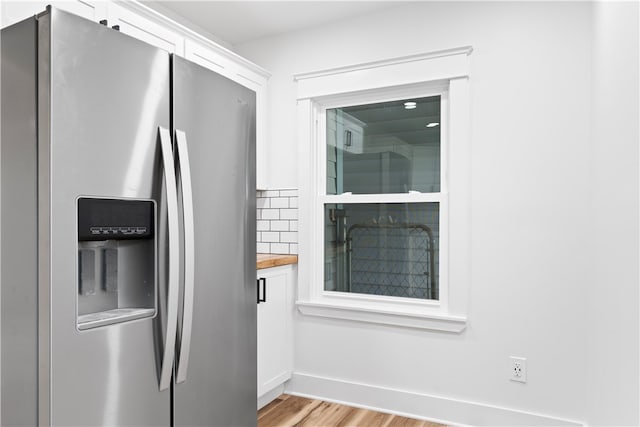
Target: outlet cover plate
(518,369)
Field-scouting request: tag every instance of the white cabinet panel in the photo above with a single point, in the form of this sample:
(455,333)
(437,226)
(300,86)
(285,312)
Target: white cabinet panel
(146,30)
(275,316)
(225,62)
(16,11)
(92,10)
(201,55)
(262,153)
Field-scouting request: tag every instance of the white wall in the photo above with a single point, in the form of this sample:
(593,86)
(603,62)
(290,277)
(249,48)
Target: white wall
(613,303)
(534,249)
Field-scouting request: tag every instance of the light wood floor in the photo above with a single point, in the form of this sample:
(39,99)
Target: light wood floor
(289,411)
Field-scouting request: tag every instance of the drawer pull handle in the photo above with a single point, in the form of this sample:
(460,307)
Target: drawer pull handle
(262,281)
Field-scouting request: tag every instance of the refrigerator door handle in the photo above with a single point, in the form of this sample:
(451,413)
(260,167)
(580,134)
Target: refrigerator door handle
(189,255)
(174,258)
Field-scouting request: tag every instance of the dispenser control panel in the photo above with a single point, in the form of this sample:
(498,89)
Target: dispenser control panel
(104,219)
(118,231)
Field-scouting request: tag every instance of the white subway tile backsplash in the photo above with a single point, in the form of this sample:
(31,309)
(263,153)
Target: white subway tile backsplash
(288,193)
(288,213)
(270,213)
(262,202)
(279,248)
(289,237)
(279,202)
(277,221)
(279,225)
(270,236)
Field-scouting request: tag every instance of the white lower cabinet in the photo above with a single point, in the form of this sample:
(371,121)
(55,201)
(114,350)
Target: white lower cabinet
(275,337)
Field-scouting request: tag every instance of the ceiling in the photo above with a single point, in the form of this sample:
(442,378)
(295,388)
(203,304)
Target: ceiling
(236,22)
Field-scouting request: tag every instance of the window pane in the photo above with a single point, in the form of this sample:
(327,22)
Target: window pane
(388,147)
(382,249)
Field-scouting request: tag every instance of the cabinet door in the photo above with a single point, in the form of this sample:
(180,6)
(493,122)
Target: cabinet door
(146,30)
(275,347)
(16,11)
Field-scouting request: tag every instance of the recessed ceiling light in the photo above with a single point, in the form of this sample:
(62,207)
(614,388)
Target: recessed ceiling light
(433,124)
(409,105)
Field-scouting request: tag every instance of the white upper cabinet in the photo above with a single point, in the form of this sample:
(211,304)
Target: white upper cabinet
(142,28)
(16,11)
(208,58)
(93,10)
(141,22)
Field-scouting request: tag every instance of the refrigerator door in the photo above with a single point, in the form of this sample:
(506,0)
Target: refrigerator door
(108,96)
(217,379)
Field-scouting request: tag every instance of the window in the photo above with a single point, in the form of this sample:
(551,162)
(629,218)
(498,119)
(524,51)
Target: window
(376,145)
(380,149)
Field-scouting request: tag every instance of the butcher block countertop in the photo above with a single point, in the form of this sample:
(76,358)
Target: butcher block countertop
(273,260)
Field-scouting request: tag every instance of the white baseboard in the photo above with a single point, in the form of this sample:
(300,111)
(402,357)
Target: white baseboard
(416,405)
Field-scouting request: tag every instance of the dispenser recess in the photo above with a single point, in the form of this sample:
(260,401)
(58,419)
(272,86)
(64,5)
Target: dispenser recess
(116,261)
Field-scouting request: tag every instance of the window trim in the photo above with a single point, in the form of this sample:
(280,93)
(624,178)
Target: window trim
(442,73)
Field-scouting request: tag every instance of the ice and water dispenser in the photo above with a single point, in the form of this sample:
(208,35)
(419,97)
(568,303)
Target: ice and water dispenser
(116,261)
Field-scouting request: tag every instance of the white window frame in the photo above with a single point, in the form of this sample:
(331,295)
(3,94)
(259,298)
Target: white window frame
(444,73)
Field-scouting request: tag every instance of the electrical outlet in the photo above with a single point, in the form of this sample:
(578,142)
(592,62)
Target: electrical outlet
(518,369)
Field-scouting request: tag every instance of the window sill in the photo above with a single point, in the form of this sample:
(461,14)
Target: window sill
(358,313)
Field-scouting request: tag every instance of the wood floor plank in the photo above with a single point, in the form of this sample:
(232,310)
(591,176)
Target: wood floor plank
(363,417)
(295,411)
(289,412)
(398,421)
(351,418)
(270,406)
(325,414)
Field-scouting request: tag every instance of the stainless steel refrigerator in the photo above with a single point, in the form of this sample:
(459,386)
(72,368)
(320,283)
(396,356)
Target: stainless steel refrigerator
(128,285)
